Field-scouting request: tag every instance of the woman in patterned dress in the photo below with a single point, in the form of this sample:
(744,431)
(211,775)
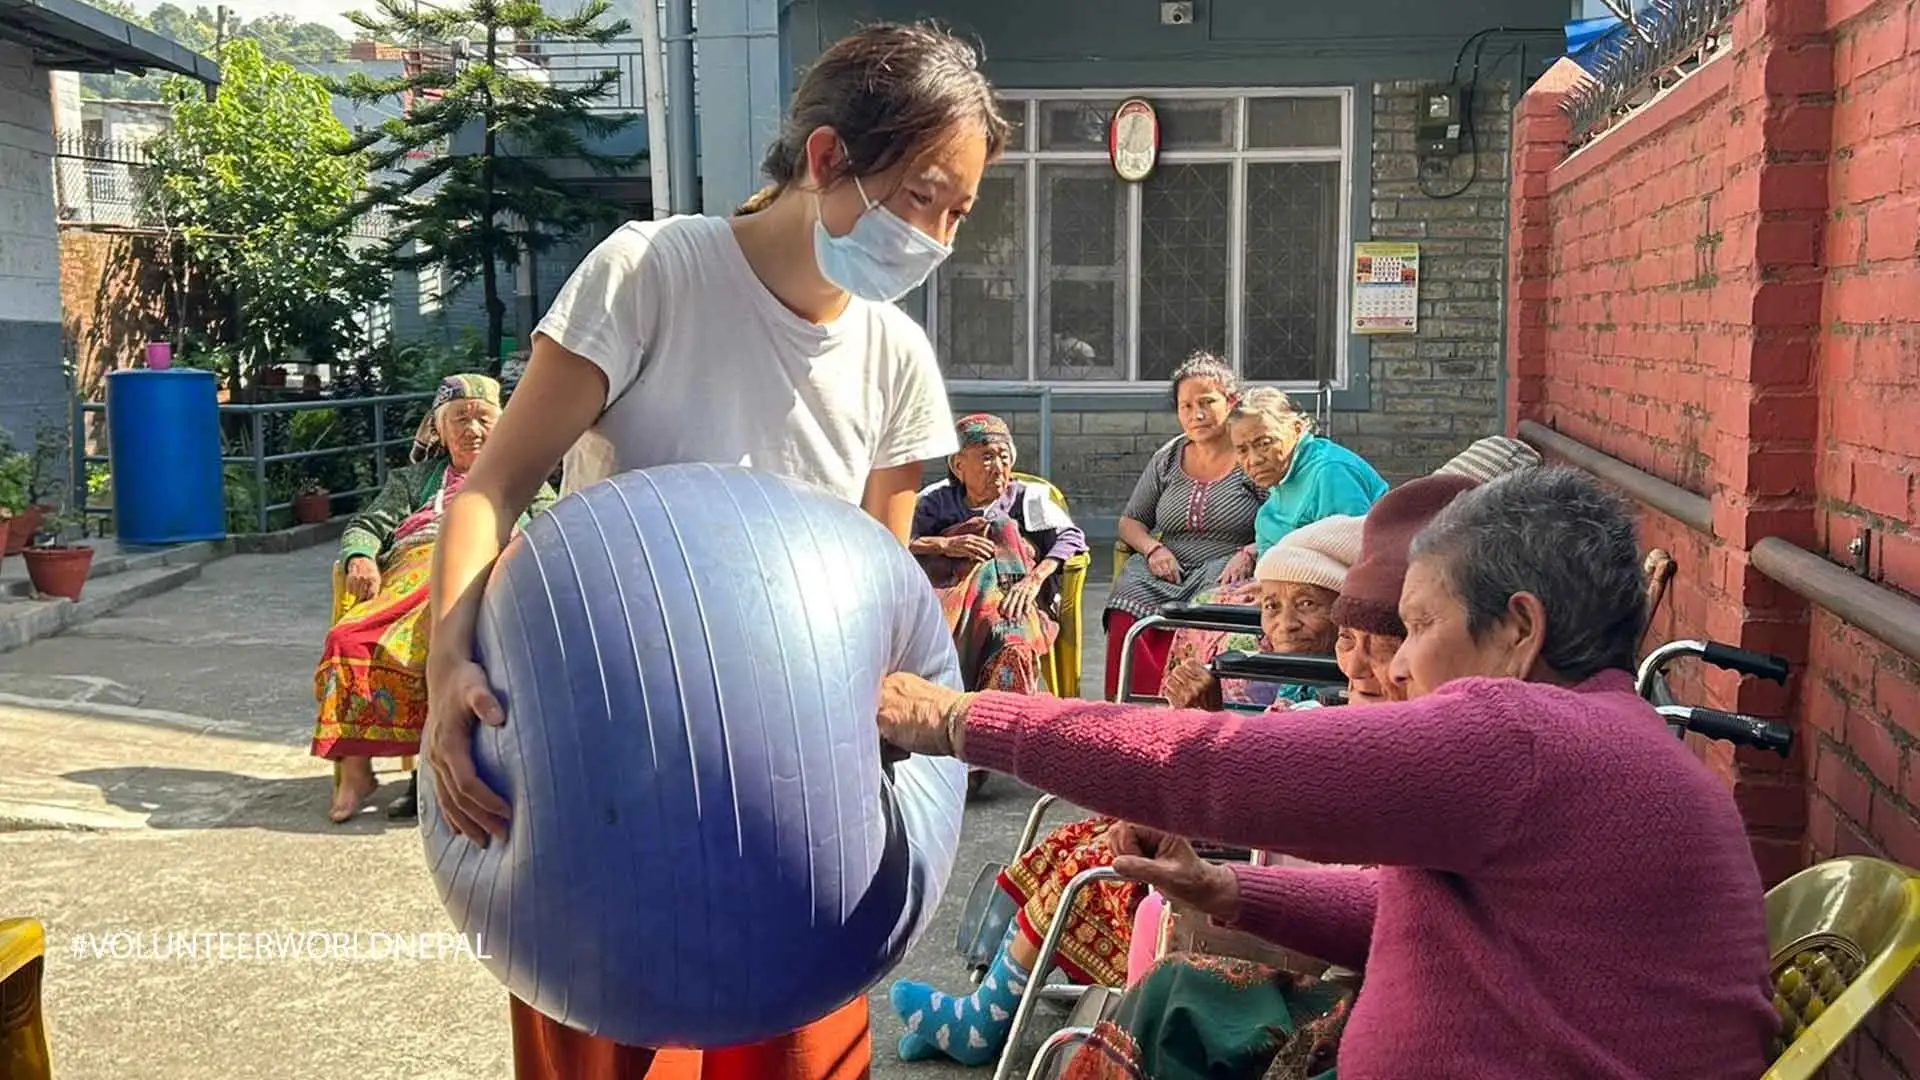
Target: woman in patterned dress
(1189,521)
(371,684)
(1307,478)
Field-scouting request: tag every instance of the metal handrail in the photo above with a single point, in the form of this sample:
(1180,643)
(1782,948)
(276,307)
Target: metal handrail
(1880,611)
(1689,509)
(258,412)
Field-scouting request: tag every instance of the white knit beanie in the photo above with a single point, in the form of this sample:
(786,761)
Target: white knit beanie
(1317,554)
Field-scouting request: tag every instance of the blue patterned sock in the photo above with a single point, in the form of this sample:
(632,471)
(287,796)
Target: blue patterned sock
(971,1029)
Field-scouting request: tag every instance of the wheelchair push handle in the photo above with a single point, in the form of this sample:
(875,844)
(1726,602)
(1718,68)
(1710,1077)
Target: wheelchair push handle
(1760,665)
(1735,728)
(1277,667)
(1237,616)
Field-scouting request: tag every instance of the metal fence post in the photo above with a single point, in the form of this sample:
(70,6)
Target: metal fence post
(1046,432)
(260,468)
(77,492)
(380,445)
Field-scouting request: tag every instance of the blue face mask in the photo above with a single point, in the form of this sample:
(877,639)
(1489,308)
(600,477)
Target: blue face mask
(882,258)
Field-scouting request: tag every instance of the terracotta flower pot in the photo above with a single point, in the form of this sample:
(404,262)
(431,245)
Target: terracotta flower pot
(312,508)
(21,527)
(59,571)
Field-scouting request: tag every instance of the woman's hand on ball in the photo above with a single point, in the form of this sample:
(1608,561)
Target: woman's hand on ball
(914,713)
(456,693)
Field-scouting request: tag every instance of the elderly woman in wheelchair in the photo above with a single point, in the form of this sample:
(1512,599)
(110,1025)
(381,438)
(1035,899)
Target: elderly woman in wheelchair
(371,682)
(1299,581)
(1536,877)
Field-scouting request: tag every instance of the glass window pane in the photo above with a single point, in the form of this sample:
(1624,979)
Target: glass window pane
(1281,123)
(1293,269)
(1184,250)
(1015,111)
(983,285)
(1196,125)
(1076,125)
(1083,273)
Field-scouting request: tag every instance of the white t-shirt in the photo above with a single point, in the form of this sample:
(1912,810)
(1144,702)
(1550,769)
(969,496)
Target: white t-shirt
(703,364)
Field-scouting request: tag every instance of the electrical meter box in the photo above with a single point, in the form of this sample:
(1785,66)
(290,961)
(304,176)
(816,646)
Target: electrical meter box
(1438,125)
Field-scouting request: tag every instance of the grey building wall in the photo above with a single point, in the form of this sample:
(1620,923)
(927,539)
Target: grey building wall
(33,383)
(1410,402)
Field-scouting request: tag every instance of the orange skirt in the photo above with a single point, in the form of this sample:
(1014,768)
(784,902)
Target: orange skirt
(837,1047)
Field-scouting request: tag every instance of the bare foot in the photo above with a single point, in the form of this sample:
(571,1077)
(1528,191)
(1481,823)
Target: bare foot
(354,784)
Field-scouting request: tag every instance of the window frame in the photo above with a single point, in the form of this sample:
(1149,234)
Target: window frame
(1029,158)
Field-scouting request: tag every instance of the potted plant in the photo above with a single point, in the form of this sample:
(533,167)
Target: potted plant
(313,504)
(16,479)
(57,568)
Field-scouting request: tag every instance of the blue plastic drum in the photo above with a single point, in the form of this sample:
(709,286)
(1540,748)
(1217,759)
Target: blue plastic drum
(163,447)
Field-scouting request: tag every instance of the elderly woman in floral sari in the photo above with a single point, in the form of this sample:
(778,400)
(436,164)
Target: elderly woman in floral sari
(371,682)
(992,545)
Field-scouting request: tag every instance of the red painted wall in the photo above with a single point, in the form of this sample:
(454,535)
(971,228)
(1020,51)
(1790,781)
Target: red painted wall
(1724,290)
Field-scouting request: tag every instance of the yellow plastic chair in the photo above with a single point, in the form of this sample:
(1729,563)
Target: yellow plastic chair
(1843,935)
(343,602)
(1063,663)
(24,1052)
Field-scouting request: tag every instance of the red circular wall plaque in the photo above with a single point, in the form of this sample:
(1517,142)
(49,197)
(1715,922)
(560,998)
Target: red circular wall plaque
(1133,140)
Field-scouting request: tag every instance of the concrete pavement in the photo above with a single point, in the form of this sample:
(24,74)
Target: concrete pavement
(154,780)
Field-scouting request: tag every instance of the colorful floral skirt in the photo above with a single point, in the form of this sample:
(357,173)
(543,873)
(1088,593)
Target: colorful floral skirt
(372,680)
(996,652)
(1198,1017)
(1100,927)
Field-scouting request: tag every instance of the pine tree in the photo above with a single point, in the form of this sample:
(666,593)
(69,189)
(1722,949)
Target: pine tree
(473,215)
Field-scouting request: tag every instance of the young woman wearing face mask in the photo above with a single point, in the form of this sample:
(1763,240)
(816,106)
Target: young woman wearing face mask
(767,339)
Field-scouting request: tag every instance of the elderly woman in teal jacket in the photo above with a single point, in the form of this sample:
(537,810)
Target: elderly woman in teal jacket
(1307,478)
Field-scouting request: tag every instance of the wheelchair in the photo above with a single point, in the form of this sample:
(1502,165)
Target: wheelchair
(989,911)
(1842,934)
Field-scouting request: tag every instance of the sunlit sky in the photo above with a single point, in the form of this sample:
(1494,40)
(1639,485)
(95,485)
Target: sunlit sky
(332,13)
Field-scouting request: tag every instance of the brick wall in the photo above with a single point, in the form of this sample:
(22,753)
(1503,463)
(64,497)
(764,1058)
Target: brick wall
(1432,393)
(1721,291)
(30,361)
(116,293)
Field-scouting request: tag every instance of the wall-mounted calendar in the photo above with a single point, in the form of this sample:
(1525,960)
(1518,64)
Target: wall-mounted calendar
(1386,288)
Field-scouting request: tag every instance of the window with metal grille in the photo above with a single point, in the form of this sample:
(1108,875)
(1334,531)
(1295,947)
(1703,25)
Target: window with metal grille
(1234,244)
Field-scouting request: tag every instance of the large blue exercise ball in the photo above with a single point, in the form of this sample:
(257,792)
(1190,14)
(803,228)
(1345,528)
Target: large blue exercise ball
(704,849)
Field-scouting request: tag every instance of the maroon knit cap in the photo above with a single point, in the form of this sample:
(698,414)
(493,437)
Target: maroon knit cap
(1371,599)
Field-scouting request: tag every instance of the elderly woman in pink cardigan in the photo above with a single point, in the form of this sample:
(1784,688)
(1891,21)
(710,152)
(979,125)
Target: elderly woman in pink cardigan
(1556,887)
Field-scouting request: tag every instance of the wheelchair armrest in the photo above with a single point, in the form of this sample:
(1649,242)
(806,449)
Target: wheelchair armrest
(1278,667)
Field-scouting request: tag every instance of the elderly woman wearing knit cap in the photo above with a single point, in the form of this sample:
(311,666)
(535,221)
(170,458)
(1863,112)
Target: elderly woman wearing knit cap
(992,545)
(1299,579)
(1525,840)
(1298,582)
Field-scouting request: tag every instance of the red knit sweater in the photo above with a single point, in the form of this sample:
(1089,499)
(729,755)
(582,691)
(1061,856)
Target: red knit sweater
(1564,890)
